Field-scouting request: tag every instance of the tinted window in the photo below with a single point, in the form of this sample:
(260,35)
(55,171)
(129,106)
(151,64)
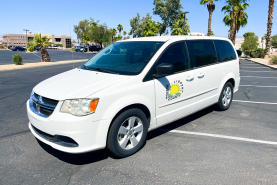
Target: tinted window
(225,50)
(176,55)
(202,52)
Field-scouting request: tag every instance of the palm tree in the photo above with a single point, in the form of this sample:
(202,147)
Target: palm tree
(269,26)
(41,42)
(235,9)
(150,28)
(119,28)
(241,21)
(113,34)
(124,33)
(179,27)
(211,8)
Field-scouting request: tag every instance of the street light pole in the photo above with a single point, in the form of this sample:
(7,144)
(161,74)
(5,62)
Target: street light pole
(184,19)
(26,37)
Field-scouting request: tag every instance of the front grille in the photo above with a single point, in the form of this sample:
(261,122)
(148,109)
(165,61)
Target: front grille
(36,95)
(42,106)
(46,112)
(50,101)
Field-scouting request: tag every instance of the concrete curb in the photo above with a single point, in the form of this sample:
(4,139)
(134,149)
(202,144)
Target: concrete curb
(39,64)
(274,68)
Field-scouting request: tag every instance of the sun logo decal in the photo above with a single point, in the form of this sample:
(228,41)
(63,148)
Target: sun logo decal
(174,90)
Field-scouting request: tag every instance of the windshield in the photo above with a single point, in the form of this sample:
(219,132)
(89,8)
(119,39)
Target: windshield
(126,58)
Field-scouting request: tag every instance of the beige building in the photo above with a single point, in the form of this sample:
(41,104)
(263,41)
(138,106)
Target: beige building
(239,42)
(20,39)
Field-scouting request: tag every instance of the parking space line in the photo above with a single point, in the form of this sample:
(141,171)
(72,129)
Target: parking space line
(255,86)
(258,71)
(220,136)
(255,67)
(268,103)
(256,77)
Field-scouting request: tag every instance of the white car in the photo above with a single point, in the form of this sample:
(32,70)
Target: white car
(131,87)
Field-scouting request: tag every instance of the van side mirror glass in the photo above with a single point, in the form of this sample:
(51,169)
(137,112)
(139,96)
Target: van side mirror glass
(164,69)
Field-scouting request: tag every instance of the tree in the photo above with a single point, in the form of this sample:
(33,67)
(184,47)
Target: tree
(168,10)
(41,42)
(100,34)
(117,38)
(250,42)
(161,28)
(113,31)
(274,41)
(150,28)
(179,27)
(137,25)
(211,33)
(241,20)
(269,26)
(83,28)
(211,8)
(119,28)
(235,9)
(124,33)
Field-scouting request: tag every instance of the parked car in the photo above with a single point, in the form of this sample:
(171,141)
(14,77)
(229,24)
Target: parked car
(95,48)
(18,48)
(37,48)
(130,88)
(10,47)
(81,49)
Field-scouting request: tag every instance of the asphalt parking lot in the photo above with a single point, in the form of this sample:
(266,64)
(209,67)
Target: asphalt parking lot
(238,146)
(55,55)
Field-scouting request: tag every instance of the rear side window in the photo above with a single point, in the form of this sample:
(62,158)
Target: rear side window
(202,52)
(225,50)
(176,55)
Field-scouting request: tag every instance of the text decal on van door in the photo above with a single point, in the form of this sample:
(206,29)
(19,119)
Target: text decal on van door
(174,90)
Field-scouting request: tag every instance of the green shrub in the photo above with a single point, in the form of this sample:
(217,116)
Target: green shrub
(31,48)
(1,47)
(247,53)
(18,59)
(254,54)
(273,60)
(239,52)
(72,49)
(59,45)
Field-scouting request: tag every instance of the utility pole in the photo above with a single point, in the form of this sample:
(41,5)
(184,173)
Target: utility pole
(184,19)
(26,37)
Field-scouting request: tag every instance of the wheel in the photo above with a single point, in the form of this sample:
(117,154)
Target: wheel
(127,134)
(225,98)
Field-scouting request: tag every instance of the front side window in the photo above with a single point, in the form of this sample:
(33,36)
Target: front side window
(225,50)
(126,58)
(176,55)
(202,52)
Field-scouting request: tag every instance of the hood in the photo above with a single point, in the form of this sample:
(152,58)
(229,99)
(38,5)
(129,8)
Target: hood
(76,83)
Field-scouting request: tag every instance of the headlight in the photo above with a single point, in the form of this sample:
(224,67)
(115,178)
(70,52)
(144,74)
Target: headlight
(79,107)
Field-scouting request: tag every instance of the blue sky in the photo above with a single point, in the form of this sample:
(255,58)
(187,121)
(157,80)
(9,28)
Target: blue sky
(58,17)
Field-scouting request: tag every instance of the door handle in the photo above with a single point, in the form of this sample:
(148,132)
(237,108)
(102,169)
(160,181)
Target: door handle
(200,75)
(190,78)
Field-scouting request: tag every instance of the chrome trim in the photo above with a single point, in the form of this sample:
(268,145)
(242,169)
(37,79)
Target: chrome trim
(39,103)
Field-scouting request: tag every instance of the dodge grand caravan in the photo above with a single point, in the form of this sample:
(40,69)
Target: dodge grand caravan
(132,87)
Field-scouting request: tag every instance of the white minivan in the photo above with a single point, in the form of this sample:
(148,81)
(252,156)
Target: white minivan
(131,87)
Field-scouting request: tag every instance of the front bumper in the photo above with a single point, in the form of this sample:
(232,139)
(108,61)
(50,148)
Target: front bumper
(88,134)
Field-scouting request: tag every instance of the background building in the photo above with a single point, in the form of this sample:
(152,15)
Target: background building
(239,42)
(20,39)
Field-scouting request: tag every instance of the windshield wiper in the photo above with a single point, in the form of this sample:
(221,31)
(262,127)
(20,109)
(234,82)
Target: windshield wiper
(101,70)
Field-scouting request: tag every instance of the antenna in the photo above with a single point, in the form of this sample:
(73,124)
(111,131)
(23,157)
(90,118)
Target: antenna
(71,46)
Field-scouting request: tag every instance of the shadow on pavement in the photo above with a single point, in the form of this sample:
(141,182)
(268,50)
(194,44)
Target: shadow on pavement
(180,122)
(76,159)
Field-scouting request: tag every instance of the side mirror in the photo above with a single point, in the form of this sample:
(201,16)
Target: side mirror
(164,69)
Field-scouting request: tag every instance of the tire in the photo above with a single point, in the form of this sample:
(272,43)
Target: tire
(123,139)
(225,100)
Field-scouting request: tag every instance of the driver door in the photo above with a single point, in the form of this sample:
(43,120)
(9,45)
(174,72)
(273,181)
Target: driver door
(174,93)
